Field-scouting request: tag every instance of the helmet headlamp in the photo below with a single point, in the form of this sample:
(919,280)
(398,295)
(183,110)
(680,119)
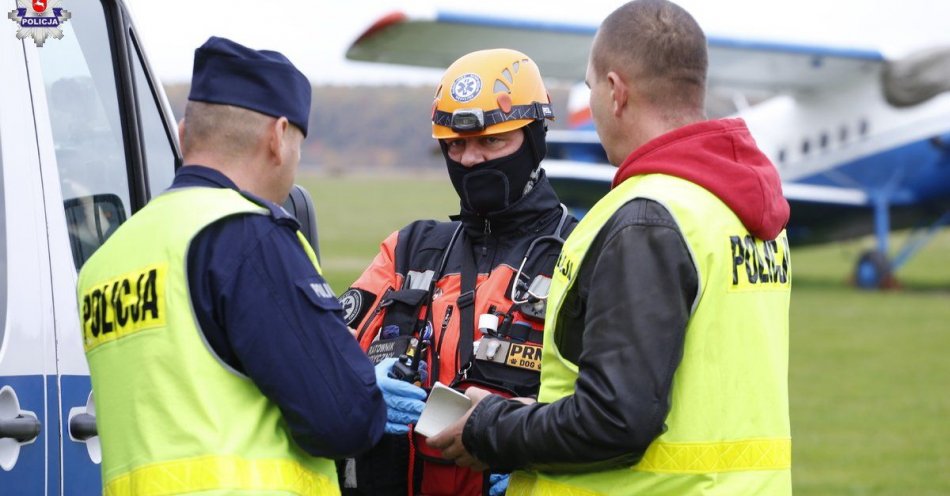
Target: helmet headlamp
(468,120)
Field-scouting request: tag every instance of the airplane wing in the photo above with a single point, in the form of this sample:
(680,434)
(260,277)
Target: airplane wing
(436,39)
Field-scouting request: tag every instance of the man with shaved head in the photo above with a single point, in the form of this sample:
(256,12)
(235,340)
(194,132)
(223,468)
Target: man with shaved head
(665,364)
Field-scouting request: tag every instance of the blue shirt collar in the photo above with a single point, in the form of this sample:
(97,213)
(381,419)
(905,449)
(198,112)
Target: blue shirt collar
(200,175)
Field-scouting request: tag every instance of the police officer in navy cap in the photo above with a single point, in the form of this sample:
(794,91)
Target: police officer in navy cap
(218,353)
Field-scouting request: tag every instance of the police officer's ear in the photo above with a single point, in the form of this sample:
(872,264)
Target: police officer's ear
(278,138)
(181,132)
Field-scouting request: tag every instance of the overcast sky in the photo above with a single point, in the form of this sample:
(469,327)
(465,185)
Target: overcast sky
(315,35)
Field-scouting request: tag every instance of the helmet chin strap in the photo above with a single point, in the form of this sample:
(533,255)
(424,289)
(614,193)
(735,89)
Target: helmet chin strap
(535,134)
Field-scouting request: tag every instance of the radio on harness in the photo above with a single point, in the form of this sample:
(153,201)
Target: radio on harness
(407,367)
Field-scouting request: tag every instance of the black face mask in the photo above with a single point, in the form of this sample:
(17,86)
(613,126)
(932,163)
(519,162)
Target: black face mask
(492,186)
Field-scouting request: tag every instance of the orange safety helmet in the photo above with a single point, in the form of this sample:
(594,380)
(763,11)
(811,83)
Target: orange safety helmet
(489,92)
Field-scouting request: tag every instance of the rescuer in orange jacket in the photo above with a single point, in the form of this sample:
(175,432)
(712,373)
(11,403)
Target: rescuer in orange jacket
(466,297)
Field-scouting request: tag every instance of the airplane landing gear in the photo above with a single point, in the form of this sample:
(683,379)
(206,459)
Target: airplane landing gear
(874,271)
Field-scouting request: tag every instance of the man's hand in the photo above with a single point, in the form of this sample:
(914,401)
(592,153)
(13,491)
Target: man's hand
(449,441)
(403,400)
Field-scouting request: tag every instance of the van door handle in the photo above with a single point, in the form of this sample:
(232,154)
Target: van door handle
(23,428)
(83,426)
(17,428)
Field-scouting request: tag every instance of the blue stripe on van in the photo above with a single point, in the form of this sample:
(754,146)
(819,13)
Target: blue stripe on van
(28,475)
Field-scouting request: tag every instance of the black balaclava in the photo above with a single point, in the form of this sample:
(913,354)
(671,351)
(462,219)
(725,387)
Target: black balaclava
(494,185)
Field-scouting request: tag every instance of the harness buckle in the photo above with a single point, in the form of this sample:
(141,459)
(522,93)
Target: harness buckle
(466,299)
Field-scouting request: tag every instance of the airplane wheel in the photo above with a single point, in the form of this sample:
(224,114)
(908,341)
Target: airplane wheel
(873,271)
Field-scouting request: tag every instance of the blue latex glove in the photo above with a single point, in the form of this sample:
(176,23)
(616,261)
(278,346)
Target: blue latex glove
(403,400)
(499,484)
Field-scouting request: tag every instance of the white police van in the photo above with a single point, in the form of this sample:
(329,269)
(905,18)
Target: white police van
(86,138)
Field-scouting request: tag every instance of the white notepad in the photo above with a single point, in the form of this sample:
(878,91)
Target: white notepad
(444,406)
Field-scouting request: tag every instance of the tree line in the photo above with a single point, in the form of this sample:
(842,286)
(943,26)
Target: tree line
(371,127)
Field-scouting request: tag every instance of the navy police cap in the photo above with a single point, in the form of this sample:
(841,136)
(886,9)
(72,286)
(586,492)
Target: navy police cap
(264,81)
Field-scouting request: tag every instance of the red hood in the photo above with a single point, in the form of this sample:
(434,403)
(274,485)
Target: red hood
(722,157)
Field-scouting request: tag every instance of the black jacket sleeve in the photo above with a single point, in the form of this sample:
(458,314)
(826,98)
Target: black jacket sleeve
(624,324)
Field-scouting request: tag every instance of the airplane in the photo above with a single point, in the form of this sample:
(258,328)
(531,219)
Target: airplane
(86,139)
(861,141)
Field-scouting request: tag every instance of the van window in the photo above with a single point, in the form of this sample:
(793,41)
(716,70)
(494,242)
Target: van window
(159,153)
(79,75)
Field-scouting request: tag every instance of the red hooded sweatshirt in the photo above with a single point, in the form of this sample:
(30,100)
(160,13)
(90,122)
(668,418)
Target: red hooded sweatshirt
(722,157)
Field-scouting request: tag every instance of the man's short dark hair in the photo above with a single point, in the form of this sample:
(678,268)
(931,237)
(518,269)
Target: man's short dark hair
(659,47)
(225,129)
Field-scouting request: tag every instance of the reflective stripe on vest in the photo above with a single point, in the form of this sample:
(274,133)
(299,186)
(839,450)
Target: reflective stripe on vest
(745,448)
(173,418)
(730,456)
(211,473)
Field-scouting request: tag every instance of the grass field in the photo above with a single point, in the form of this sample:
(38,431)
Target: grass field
(869,378)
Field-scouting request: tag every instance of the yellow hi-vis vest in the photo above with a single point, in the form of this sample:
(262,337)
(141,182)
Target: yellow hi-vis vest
(172,417)
(728,427)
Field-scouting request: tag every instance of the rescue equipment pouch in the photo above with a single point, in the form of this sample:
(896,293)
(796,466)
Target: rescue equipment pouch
(509,362)
(402,309)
